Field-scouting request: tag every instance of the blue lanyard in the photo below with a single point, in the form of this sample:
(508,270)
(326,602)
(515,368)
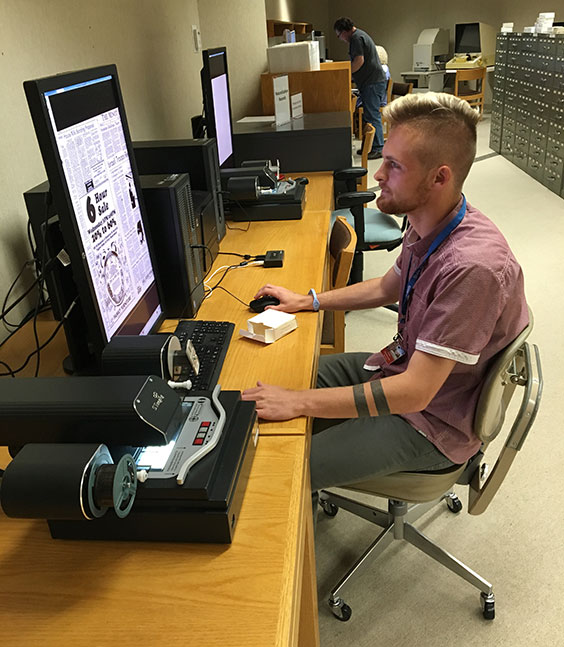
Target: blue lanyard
(443,234)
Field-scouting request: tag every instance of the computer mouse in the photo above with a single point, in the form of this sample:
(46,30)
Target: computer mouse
(302,180)
(258,305)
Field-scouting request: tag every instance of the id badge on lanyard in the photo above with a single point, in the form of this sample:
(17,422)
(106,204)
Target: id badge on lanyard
(394,352)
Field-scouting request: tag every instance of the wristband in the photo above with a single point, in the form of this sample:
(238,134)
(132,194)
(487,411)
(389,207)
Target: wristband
(315,300)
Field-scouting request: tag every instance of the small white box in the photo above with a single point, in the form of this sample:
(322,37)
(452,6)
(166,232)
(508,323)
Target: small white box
(270,325)
(293,57)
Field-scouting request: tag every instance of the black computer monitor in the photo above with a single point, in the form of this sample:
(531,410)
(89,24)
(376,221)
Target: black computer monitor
(217,102)
(467,38)
(82,130)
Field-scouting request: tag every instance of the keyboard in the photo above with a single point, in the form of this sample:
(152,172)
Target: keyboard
(211,341)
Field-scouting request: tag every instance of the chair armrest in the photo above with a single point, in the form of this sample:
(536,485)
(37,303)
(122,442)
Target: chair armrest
(349,173)
(348,200)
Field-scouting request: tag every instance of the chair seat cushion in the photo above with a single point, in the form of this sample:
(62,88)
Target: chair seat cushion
(378,227)
(413,487)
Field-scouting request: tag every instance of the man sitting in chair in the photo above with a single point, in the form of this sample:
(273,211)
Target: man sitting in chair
(461,299)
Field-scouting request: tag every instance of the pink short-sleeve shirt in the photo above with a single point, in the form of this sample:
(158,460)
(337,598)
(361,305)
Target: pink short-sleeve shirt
(467,305)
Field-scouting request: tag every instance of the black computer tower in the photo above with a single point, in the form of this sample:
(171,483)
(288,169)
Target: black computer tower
(198,157)
(58,277)
(175,232)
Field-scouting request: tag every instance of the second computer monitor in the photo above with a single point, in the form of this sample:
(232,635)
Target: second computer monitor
(217,102)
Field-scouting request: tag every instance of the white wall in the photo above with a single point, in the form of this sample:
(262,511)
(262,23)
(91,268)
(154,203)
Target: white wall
(151,43)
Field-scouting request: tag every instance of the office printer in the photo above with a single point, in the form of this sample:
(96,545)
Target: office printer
(431,44)
(254,191)
(126,458)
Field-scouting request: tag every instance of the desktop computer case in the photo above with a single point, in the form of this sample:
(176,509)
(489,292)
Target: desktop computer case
(174,231)
(199,158)
(59,279)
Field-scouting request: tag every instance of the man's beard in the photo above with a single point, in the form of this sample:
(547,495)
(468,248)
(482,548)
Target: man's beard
(401,206)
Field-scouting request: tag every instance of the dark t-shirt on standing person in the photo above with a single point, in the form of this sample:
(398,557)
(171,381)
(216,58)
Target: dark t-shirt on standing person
(371,71)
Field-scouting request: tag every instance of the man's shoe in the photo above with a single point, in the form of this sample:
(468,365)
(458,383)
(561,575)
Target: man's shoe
(375,155)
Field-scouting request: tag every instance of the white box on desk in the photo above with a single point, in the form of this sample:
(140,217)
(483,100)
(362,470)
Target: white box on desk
(293,57)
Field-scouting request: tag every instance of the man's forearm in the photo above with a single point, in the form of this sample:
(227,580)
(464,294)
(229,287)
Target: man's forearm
(407,392)
(359,296)
(357,63)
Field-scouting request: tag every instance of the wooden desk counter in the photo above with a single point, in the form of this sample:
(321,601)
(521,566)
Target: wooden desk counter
(291,361)
(83,593)
(260,590)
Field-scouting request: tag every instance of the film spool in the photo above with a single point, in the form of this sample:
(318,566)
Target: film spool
(115,486)
(243,188)
(67,482)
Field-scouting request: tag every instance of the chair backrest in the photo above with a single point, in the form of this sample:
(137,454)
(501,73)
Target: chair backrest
(518,365)
(477,74)
(342,244)
(400,90)
(367,141)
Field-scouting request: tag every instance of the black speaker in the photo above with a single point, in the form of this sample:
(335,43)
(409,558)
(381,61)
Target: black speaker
(175,232)
(199,158)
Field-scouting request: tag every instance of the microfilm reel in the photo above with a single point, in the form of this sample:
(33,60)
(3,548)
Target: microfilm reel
(115,486)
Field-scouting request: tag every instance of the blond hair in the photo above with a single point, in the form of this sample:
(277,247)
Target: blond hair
(447,125)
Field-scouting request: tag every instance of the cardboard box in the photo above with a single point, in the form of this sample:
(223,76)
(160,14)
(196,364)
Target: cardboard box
(293,57)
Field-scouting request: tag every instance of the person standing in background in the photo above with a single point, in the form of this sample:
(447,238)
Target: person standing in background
(369,76)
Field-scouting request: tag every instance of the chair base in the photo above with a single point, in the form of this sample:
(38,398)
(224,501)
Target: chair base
(397,523)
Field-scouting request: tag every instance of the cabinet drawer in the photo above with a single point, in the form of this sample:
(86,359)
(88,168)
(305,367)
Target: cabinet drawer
(558,65)
(522,129)
(520,159)
(540,109)
(538,137)
(521,144)
(495,142)
(554,147)
(495,128)
(535,168)
(537,153)
(546,46)
(542,93)
(552,180)
(508,124)
(554,164)
(556,131)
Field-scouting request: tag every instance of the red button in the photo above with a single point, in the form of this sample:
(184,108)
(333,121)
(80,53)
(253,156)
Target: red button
(198,441)
(205,424)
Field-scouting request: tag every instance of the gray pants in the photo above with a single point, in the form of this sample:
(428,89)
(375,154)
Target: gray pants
(346,451)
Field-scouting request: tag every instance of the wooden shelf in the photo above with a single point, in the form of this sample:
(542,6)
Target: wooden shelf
(277,27)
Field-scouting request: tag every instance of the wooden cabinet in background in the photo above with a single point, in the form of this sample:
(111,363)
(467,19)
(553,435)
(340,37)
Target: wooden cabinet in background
(324,90)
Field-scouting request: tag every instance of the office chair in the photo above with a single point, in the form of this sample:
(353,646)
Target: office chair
(400,90)
(342,243)
(374,230)
(475,97)
(395,90)
(516,365)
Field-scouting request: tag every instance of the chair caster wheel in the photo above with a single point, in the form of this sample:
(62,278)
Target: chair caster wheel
(330,509)
(454,504)
(340,609)
(488,606)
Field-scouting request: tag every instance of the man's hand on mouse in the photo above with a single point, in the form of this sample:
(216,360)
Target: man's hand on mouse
(274,402)
(289,301)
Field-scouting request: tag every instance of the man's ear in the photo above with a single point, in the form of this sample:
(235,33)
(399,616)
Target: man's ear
(443,175)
